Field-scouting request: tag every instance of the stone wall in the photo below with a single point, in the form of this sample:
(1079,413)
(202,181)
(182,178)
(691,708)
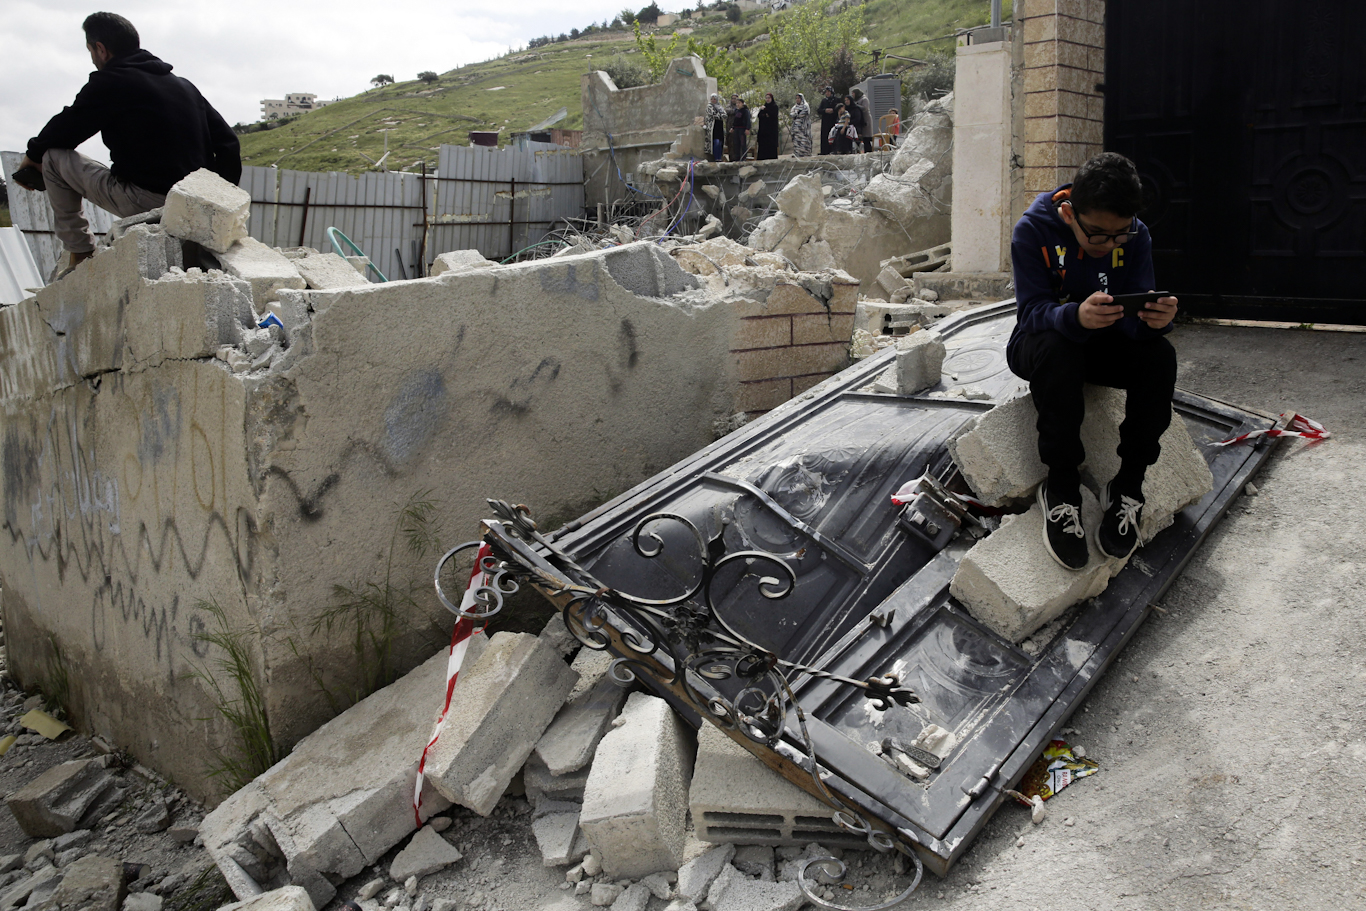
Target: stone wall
(160,453)
(624,127)
(1064,60)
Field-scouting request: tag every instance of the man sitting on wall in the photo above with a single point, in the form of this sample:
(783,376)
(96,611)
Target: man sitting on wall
(157,127)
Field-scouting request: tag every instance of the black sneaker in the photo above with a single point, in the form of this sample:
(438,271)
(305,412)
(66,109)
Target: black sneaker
(1117,536)
(1063,534)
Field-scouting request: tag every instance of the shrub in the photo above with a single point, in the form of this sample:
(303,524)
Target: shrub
(627,74)
(428,76)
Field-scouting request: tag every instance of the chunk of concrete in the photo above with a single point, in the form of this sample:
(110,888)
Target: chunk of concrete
(919,362)
(802,200)
(543,788)
(328,272)
(33,889)
(264,268)
(917,195)
(1010,583)
(891,280)
(427,853)
(55,802)
(998,455)
(92,883)
(696,876)
(558,837)
(635,804)
(780,234)
(508,698)
(290,898)
(568,744)
(755,861)
(142,901)
(204,208)
(342,798)
(604,894)
(635,898)
(735,798)
(460,261)
(733,891)
(816,256)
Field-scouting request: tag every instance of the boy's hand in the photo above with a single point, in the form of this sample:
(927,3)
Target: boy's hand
(1096,312)
(1159,313)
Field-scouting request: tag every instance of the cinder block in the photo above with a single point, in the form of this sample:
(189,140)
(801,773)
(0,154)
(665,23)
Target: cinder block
(263,267)
(736,799)
(542,786)
(507,698)
(999,457)
(208,210)
(919,362)
(568,744)
(328,272)
(635,805)
(1009,582)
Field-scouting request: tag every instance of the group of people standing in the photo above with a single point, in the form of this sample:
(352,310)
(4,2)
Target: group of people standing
(846,126)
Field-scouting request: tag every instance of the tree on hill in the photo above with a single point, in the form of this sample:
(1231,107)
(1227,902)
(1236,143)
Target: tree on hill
(649,15)
(627,17)
(428,76)
(733,13)
(382,80)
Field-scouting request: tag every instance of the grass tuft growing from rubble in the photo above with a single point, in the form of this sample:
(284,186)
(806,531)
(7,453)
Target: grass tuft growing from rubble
(372,614)
(245,712)
(206,892)
(57,685)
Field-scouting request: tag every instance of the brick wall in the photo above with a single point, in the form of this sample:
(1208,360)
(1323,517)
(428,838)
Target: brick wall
(1064,60)
(789,343)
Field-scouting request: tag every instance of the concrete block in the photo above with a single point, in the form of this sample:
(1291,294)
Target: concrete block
(635,898)
(508,698)
(559,838)
(919,362)
(342,798)
(568,744)
(92,883)
(1009,582)
(802,200)
(736,799)
(696,876)
(635,804)
(460,261)
(208,210)
(327,272)
(891,280)
(290,898)
(427,853)
(979,286)
(263,267)
(998,453)
(543,787)
(55,802)
(733,891)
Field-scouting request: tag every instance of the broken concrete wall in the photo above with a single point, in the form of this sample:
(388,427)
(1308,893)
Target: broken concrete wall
(624,127)
(162,454)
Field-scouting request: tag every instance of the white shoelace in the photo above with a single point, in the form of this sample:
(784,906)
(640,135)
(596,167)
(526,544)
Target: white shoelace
(1072,515)
(1128,513)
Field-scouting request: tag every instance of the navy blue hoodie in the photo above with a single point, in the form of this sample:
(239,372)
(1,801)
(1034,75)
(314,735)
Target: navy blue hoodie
(157,127)
(1053,275)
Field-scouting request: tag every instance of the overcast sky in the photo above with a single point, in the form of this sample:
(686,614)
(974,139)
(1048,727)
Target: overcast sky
(241,51)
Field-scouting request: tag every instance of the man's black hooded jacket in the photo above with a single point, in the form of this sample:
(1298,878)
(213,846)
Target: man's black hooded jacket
(157,126)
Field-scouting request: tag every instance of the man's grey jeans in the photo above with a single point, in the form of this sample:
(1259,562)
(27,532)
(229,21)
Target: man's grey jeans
(71,177)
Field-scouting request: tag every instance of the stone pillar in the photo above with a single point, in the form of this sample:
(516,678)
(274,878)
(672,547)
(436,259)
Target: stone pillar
(981,158)
(1064,59)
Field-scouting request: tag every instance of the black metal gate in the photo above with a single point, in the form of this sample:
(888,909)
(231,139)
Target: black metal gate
(1247,120)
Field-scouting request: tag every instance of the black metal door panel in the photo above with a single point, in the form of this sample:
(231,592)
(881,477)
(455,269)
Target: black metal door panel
(1247,121)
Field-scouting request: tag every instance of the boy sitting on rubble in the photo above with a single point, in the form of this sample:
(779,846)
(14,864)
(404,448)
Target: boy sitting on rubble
(1074,247)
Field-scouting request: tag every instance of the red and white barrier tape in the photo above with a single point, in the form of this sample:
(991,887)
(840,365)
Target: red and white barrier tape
(460,643)
(1300,426)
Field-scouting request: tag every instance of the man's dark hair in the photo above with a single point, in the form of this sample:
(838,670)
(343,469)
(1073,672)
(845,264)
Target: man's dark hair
(1107,183)
(113,31)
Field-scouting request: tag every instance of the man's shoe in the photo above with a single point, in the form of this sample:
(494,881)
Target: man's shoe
(1063,535)
(1117,536)
(73,260)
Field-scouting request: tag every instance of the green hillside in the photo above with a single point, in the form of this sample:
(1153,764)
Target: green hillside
(515,91)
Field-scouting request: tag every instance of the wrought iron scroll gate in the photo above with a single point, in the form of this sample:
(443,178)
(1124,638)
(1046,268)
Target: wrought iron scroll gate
(1247,119)
(768,585)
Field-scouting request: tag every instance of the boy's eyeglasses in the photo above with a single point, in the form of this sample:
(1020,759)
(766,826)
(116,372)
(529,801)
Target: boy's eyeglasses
(1099,237)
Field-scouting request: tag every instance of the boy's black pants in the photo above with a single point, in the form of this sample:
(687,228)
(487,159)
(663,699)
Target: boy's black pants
(1056,367)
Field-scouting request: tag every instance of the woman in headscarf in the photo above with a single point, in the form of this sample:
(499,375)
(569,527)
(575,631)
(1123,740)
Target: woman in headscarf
(741,123)
(865,129)
(768,128)
(827,109)
(801,127)
(715,127)
(855,117)
(842,136)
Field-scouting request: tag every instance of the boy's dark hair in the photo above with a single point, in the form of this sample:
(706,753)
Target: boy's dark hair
(1107,183)
(113,31)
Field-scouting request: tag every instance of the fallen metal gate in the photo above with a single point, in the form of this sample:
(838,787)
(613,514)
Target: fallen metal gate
(768,585)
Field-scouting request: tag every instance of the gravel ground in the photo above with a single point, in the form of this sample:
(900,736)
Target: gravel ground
(1231,733)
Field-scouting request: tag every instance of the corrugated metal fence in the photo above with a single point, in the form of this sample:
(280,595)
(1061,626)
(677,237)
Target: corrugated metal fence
(496,201)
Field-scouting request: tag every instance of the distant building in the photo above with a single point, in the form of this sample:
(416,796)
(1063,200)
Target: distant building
(666,19)
(293,103)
